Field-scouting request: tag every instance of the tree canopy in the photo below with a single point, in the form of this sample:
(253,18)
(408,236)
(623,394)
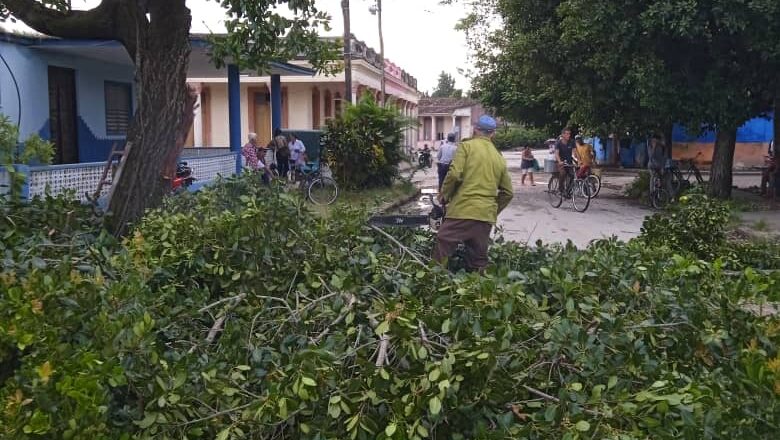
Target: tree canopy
(446,87)
(633,66)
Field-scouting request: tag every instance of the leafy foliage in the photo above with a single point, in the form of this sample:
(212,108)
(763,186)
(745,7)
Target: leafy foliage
(518,136)
(696,225)
(445,88)
(364,145)
(235,313)
(639,188)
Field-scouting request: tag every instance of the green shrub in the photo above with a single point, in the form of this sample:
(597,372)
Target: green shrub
(639,188)
(235,313)
(696,225)
(364,146)
(518,137)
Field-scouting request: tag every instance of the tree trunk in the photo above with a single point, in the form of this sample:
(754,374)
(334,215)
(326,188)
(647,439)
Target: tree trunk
(722,163)
(669,139)
(776,123)
(165,106)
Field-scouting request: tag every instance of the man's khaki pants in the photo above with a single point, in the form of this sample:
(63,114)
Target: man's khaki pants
(474,234)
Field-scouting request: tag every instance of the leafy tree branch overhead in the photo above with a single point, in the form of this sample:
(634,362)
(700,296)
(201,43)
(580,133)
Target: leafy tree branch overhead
(156,35)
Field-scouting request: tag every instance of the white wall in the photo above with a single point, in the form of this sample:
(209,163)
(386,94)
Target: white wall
(299,107)
(220,133)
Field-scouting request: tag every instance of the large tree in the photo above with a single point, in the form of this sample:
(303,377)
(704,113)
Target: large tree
(613,66)
(446,87)
(156,36)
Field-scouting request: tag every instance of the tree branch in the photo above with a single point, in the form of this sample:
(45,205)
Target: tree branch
(94,23)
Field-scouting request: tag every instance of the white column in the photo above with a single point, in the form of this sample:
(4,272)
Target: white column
(433,128)
(197,124)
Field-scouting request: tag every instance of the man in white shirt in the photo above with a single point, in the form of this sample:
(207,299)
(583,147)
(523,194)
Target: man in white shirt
(297,152)
(445,156)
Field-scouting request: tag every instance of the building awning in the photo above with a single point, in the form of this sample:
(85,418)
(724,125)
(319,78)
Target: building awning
(111,51)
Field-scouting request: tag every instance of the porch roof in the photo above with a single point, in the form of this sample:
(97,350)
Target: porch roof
(112,51)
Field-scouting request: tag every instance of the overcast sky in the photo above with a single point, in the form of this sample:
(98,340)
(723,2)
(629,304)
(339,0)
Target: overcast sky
(419,34)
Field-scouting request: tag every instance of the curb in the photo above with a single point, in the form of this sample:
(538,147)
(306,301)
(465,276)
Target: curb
(400,202)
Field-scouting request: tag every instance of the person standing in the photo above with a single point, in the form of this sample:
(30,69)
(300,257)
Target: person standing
(656,159)
(282,150)
(527,165)
(563,157)
(476,189)
(253,162)
(297,151)
(445,156)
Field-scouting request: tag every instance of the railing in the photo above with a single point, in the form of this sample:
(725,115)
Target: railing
(83,178)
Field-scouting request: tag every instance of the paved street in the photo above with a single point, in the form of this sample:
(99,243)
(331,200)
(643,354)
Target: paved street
(530,217)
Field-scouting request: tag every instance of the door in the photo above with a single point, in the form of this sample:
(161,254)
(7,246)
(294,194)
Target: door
(62,114)
(263,117)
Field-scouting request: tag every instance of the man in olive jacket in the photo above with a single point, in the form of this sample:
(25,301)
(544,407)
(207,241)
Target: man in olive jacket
(477,188)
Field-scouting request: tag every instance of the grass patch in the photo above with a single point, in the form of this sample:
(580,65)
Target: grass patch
(761,225)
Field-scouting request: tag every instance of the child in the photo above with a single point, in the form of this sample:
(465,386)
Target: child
(527,165)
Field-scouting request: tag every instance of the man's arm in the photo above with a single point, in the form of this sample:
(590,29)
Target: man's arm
(557,154)
(505,192)
(454,175)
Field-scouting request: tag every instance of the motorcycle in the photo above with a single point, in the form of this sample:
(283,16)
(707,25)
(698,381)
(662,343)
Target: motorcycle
(425,159)
(183,177)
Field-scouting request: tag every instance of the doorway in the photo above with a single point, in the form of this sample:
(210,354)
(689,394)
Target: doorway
(62,114)
(262,122)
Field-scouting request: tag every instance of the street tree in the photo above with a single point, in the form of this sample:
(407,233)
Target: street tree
(625,66)
(446,87)
(156,35)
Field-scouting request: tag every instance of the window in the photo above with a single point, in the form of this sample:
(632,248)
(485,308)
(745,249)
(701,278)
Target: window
(119,108)
(337,104)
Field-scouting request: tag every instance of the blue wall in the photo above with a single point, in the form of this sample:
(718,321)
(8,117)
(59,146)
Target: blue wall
(30,67)
(754,130)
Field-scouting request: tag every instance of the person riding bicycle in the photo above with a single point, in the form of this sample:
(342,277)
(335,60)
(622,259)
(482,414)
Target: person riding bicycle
(585,156)
(564,157)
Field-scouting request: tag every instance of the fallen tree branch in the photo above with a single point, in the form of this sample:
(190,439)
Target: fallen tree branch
(546,396)
(400,245)
(237,298)
(337,321)
(381,357)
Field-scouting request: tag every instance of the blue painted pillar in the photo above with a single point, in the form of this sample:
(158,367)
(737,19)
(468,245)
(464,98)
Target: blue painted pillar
(276,102)
(234,112)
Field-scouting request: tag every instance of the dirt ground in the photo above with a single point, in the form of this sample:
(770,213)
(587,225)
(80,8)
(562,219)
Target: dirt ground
(530,217)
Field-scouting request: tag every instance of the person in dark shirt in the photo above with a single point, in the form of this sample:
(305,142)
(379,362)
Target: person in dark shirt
(563,156)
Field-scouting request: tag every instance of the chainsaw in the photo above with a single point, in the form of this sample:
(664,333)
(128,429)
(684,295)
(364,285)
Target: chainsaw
(433,219)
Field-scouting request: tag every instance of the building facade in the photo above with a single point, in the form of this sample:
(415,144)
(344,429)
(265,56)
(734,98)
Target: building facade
(437,117)
(307,101)
(70,94)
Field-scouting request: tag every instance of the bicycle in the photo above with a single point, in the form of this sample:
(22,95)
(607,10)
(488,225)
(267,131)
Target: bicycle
(318,189)
(578,191)
(677,176)
(659,197)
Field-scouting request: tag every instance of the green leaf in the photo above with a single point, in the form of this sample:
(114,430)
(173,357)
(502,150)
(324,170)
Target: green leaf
(382,328)
(445,326)
(224,434)
(309,381)
(390,429)
(612,382)
(434,405)
(582,426)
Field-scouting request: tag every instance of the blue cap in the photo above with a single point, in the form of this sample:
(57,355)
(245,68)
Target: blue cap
(486,123)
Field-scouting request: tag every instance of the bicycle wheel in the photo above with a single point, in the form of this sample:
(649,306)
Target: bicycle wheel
(323,191)
(676,181)
(580,196)
(659,198)
(697,174)
(553,194)
(593,182)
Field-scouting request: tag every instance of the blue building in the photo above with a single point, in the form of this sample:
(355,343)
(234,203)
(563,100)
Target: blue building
(79,94)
